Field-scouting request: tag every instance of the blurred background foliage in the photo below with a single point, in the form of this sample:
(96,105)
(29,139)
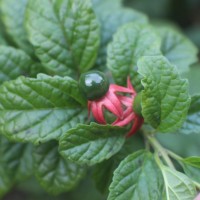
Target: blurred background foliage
(186,15)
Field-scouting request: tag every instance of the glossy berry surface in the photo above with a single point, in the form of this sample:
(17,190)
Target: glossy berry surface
(93,84)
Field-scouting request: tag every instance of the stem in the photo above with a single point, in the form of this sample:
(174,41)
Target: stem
(165,153)
(173,155)
(157,147)
(179,158)
(157,159)
(147,145)
(196,184)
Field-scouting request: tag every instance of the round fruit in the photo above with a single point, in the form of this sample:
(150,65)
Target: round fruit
(93,84)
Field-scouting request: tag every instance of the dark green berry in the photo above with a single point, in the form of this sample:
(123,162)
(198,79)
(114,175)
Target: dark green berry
(93,84)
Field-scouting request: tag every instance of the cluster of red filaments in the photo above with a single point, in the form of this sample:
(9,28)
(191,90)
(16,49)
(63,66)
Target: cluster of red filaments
(119,101)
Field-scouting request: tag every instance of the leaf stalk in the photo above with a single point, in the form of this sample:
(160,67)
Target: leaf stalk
(159,149)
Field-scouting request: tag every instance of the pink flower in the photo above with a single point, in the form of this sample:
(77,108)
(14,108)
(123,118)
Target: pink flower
(119,101)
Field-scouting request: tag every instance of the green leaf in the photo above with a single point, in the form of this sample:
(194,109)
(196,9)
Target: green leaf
(16,159)
(178,49)
(13,63)
(2,35)
(65,34)
(2,40)
(193,161)
(110,22)
(5,182)
(91,144)
(102,175)
(165,98)
(15,163)
(137,177)
(178,186)
(103,172)
(13,19)
(192,172)
(55,174)
(192,123)
(37,110)
(130,43)
(36,68)
(191,167)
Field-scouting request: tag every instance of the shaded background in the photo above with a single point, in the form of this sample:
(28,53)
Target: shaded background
(184,13)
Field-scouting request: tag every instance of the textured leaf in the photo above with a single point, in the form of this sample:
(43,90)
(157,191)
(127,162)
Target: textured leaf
(104,171)
(54,173)
(192,123)
(111,21)
(41,109)
(165,99)
(5,182)
(137,177)
(102,175)
(65,34)
(177,185)
(130,43)
(91,144)
(15,163)
(16,159)
(36,68)
(179,50)
(13,63)
(13,19)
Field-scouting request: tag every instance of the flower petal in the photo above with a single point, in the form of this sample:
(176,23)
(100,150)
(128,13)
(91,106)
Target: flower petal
(129,84)
(116,88)
(118,104)
(113,104)
(136,126)
(127,101)
(126,120)
(97,111)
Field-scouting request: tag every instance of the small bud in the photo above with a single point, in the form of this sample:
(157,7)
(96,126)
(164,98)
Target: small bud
(137,104)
